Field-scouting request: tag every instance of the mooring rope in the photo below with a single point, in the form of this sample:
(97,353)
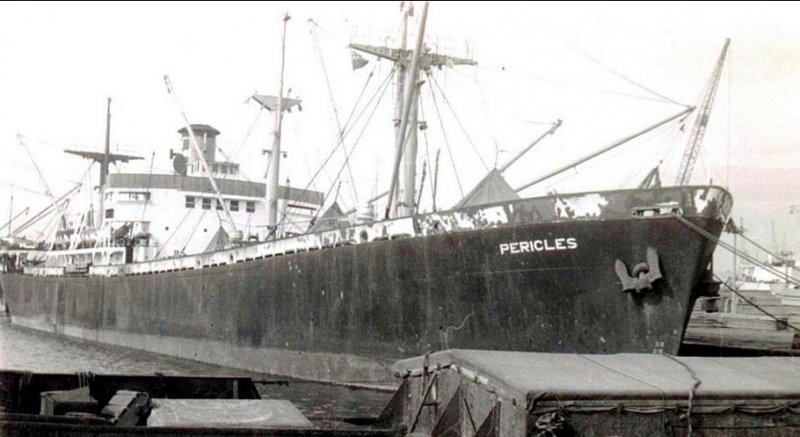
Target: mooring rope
(756,306)
(788,278)
(730,248)
(692,392)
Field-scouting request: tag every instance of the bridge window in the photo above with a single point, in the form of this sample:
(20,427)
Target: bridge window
(134,196)
(219,205)
(190,201)
(139,197)
(234,205)
(251,207)
(110,213)
(206,203)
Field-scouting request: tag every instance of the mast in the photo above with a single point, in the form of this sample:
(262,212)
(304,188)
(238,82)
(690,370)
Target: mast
(400,73)
(273,171)
(406,203)
(105,159)
(407,67)
(104,166)
(405,195)
(409,99)
(277,104)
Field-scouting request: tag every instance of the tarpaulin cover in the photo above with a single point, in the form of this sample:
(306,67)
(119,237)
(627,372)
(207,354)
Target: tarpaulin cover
(330,219)
(492,188)
(549,376)
(234,413)
(219,241)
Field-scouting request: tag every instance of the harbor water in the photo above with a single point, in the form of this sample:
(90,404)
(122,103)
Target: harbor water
(26,349)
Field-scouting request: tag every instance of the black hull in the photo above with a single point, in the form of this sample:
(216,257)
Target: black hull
(342,313)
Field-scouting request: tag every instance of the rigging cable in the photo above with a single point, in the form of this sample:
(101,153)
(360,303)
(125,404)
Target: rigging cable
(352,111)
(551,187)
(665,135)
(350,126)
(709,168)
(447,142)
(194,229)
(62,213)
(339,129)
(744,255)
(147,187)
(86,216)
(486,111)
(247,225)
(352,149)
(239,148)
(481,97)
(622,76)
(89,193)
(565,83)
(333,150)
(28,190)
(173,233)
(427,149)
(347,124)
(285,210)
(751,241)
(595,162)
(756,306)
(461,125)
(228,159)
(45,212)
(53,221)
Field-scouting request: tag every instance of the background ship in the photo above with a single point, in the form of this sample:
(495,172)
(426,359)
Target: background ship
(603,271)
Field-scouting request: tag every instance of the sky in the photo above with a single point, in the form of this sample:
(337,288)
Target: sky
(606,69)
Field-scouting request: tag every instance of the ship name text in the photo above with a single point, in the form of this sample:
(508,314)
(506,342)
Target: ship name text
(529,246)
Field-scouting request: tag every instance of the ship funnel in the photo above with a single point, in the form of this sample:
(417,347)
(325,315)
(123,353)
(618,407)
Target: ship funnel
(206,140)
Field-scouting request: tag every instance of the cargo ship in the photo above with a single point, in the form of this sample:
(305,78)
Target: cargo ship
(205,265)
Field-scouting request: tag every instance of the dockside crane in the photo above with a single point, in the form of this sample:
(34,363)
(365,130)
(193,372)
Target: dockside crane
(692,150)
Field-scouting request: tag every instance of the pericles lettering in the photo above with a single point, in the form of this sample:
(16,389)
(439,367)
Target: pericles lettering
(546,245)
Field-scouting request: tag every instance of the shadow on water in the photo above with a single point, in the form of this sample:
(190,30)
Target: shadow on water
(28,349)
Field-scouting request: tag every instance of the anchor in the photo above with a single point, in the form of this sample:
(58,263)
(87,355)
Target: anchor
(644,274)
